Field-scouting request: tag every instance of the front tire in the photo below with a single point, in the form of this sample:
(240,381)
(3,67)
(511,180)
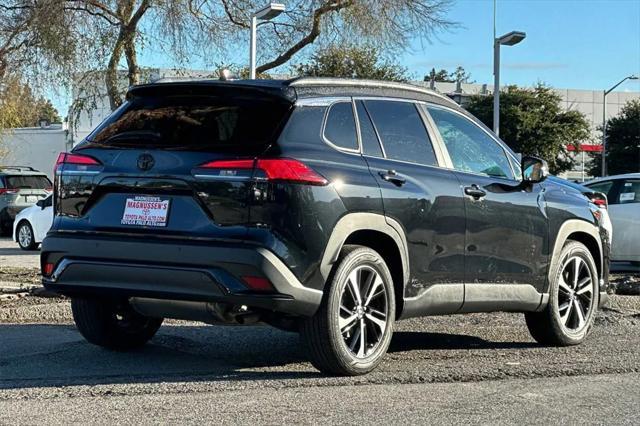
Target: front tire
(25,236)
(573,300)
(112,324)
(352,329)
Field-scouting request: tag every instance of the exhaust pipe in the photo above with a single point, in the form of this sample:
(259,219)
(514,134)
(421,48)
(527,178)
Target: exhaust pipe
(207,312)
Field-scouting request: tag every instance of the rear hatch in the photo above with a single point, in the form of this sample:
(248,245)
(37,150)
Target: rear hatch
(147,168)
(21,190)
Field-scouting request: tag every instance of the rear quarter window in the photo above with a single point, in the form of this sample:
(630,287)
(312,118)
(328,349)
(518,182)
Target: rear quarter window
(340,127)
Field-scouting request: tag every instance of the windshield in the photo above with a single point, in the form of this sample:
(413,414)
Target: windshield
(192,122)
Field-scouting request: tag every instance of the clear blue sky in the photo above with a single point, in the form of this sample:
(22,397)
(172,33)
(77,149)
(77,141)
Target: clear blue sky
(578,44)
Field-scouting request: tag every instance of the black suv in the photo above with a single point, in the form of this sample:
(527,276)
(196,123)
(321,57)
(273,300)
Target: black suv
(325,206)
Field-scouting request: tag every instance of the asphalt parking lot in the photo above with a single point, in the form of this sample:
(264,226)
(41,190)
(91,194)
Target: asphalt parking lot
(12,256)
(479,368)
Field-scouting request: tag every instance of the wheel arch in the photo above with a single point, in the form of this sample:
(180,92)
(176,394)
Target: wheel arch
(379,233)
(583,232)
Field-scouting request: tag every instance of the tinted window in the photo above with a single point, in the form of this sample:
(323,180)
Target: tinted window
(402,131)
(370,143)
(193,122)
(629,192)
(471,149)
(340,129)
(28,182)
(604,187)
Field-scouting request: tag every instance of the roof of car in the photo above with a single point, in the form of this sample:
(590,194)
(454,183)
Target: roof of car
(305,87)
(20,170)
(614,177)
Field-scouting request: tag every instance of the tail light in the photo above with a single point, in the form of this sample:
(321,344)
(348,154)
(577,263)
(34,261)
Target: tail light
(8,191)
(276,169)
(81,162)
(599,199)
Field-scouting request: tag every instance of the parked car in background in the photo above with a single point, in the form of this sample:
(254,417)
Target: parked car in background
(329,207)
(20,187)
(623,193)
(31,224)
(596,197)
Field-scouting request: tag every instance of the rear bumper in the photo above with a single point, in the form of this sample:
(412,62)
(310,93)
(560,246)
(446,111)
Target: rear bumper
(173,270)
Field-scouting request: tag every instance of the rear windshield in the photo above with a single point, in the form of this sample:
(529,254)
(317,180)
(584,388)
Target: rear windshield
(193,122)
(28,182)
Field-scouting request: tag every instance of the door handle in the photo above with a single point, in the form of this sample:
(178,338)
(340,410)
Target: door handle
(475,191)
(392,176)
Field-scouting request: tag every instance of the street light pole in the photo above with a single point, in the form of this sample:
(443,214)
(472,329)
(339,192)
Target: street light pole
(265,14)
(604,122)
(509,39)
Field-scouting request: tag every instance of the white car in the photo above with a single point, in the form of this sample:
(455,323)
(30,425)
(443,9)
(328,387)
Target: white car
(623,193)
(31,224)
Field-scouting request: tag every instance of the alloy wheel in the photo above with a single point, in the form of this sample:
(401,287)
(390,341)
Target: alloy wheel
(575,294)
(24,236)
(363,314)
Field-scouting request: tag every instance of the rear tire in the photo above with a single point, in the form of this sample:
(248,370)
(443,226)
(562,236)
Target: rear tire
(573,300)
(111,324)
(352,329)
(25,236)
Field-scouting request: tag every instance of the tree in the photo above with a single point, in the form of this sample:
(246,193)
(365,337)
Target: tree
(532,122)
(88,36)
(461,76)
(439,76)
(444,76)
(351,62)
(623,142)
(387,24)
(20,107)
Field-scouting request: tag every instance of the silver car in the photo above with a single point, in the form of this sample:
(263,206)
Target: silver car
(623,192)
(20,187)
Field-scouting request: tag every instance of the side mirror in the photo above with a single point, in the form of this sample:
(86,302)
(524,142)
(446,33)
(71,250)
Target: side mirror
(40,203)
(534,169)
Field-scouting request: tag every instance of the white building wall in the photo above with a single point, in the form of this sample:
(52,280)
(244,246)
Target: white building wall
(33,147)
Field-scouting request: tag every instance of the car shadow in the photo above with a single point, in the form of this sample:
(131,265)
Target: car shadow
(41,355)
(404,341)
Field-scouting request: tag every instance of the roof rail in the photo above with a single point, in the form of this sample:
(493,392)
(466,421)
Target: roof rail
(331,81)
(19,168)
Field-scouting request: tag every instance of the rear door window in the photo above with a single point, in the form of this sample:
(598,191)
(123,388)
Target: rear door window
(402,131)
(28,182)
(208,123)
(340,127)
(629,192)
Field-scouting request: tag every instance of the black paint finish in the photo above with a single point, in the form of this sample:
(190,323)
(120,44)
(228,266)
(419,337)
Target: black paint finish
(497,232)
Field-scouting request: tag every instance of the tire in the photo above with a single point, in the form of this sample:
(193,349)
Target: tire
(25,236)
(344,352)
(112,325)
(563,322)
